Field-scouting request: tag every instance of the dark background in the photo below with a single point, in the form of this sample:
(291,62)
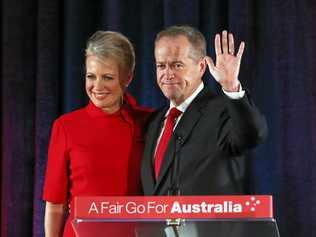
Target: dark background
(42,49)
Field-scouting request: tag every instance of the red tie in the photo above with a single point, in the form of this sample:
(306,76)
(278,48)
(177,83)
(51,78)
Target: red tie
(165,137)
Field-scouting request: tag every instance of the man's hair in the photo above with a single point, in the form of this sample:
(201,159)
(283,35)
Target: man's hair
(194,36)
(112,45)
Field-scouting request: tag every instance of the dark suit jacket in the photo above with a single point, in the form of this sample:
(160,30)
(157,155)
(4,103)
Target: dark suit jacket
(209,144)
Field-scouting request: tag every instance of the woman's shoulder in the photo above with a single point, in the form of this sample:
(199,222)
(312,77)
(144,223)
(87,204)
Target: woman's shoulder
(135,108)
(141,114)
(70,117)
(142,110)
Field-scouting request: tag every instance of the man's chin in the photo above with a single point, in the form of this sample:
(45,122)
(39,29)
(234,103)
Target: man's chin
(170,92)
(170,96)
(175,99)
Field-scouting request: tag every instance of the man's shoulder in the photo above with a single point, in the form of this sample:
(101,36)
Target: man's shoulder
(208,99)
(158,112)
(157,115)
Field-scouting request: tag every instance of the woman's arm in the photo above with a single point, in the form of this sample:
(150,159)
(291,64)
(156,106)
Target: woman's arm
(54,219)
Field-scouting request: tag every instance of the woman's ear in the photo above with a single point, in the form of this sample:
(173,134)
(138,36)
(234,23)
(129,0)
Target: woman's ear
(129,78)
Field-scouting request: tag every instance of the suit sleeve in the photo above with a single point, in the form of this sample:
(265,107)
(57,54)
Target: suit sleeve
(242,126)
(56,178)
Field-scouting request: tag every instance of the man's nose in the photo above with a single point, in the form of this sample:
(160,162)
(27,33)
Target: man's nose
(169,72)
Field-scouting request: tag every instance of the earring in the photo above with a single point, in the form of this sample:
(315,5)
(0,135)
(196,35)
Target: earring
(122,99)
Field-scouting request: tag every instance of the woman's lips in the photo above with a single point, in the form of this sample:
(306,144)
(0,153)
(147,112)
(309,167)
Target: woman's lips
(100,95)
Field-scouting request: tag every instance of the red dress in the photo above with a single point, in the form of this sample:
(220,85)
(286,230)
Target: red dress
(92,153)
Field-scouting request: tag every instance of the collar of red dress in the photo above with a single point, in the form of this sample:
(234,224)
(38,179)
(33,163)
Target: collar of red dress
(94,111)
(124,111)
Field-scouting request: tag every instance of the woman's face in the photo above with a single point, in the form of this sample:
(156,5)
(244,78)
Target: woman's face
(103,83)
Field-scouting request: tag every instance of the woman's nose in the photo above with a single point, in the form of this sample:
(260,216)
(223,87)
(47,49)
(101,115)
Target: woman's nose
(98,83)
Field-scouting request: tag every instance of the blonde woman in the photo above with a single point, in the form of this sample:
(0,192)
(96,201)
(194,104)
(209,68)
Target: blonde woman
(96,150)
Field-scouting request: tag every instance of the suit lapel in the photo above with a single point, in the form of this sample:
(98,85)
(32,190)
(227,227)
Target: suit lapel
(185,126)
(152,136)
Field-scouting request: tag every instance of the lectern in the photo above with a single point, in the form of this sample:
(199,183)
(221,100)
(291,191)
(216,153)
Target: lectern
(173,216)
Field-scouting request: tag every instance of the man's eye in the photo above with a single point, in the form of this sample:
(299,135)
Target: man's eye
(90,77)
(178,65)
(160,66)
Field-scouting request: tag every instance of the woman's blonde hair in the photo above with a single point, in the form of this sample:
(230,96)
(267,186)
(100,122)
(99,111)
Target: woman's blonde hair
(112,45)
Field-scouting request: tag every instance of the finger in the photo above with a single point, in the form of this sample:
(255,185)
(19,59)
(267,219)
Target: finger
(224,41)
(231,44)
(241,50)
(217,45)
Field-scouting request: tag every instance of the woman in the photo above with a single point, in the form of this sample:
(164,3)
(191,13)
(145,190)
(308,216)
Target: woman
(96,150)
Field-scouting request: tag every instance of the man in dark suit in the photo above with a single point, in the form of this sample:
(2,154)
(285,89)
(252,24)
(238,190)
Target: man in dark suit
(196,145)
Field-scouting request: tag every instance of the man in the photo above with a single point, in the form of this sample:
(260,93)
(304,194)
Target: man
(196,145)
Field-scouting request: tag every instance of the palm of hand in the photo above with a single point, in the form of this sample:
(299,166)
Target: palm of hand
(227,65)
(226,69)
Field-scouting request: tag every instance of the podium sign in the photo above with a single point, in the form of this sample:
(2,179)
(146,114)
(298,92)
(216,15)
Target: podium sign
(184,215)
(165,207)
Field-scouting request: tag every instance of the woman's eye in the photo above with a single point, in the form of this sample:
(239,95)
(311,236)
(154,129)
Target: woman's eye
(107,78)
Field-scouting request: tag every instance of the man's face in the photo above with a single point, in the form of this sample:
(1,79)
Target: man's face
(178,74)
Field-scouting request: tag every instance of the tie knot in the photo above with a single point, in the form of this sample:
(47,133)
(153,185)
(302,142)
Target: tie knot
(174,113)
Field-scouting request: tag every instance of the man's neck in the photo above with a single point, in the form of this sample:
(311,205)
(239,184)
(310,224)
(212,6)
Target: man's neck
(182,106)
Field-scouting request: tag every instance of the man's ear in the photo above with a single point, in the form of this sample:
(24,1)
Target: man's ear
(202,66)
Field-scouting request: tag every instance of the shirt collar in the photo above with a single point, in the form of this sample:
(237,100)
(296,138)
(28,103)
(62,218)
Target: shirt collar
(185,104)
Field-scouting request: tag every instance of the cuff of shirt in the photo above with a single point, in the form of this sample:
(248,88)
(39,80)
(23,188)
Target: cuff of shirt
(235,95)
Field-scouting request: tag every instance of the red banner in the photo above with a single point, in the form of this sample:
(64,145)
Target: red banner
(170,207)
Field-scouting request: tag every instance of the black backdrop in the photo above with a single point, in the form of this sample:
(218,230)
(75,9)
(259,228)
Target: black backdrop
(42,48)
